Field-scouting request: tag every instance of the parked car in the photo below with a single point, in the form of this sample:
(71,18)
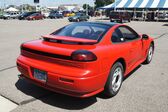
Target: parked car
(162,16)
(55,15)
(35,16)
(120,16)
(84,59)
(1,15)
(79,17)
(70,14)
(46,14)
(25,15)
(66,13)
(139,16)
(150,16)
(11,15)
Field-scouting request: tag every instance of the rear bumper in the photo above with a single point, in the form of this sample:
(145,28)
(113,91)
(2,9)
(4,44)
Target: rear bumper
(115,19)
(30,18)
(75,86)
(62,90)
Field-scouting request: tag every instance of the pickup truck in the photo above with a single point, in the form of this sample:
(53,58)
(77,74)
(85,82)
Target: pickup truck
(120,16)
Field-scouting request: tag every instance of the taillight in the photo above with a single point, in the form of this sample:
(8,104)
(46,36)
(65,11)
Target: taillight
(21,47)
(83,56)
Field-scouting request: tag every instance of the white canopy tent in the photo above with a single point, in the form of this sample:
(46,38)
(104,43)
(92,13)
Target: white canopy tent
(146,4)
(11,9)
(142,8)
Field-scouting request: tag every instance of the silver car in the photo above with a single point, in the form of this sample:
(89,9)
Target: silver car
(11,15)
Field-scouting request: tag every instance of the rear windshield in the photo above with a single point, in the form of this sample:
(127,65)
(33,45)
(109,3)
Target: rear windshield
(114,13)
(83,30)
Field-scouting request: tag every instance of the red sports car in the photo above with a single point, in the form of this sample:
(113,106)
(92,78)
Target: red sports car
(84,59)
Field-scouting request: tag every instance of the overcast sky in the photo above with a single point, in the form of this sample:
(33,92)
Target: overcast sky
(46,2)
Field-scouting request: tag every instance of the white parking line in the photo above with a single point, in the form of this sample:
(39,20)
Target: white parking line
(6,105)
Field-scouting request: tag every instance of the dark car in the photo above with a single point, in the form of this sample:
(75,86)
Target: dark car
(35,16)
(25,15)
(120,16)
(79,17)
(1,15)
(55,15)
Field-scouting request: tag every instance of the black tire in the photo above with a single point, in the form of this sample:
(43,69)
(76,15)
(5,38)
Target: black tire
(148,58)
(108,90)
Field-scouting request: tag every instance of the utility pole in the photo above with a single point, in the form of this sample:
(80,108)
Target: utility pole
(36,2)
(114,5)
(4,6)
(86,9)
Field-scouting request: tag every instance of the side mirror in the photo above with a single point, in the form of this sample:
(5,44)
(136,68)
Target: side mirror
(145,37)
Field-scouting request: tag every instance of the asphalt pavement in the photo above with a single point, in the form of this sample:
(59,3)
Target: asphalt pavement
(145,90)
(6,105)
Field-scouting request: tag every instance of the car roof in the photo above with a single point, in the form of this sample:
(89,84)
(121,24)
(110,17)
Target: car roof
(110,24)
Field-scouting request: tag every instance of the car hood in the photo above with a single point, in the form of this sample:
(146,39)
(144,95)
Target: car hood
(6,15)
(74,17)
(51,14)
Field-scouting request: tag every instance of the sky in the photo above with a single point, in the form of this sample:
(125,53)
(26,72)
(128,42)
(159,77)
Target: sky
(45,2)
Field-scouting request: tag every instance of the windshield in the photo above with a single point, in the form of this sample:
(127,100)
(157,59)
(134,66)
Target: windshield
(83,30)
(78,14)
(54,13)
(27,13)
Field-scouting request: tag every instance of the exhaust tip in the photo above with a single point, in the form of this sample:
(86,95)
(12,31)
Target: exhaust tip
(20,76)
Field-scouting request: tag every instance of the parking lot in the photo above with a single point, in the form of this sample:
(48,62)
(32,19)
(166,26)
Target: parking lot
(145,90)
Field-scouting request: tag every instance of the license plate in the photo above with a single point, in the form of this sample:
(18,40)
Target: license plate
(40,75)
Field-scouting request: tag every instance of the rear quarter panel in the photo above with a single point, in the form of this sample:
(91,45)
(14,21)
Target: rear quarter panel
(146,45)
(108,53)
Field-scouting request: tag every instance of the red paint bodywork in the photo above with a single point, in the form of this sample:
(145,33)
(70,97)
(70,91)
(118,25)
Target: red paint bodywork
(85,79)
(35,17)
(69,39)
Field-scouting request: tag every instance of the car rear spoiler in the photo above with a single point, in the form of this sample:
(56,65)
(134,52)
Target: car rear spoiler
(69,39)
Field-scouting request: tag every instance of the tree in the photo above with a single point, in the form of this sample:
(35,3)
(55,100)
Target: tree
(85,6)
(101,3)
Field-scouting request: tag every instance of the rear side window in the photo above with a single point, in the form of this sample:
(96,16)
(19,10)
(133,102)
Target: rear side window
(128,34)
(124,34)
